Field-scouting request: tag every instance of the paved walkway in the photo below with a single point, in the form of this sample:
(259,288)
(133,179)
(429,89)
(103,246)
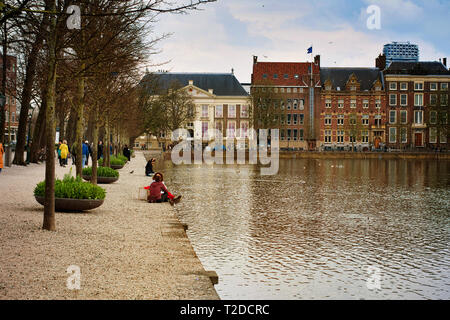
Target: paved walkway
(126,249)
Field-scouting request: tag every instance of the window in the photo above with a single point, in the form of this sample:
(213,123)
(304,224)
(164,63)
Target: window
(403,116)
(219,111)
(444,118)
(327,136)
(378,120)
(295,104)
(392,116)
(275,76)
(302,118)
(205,112)
(433,99)
(433,135)
(418,86)
(352,120)
(302,104)
(340,103)
(295,134)
(281,104)
(288,90)
(403,99)
(265,76)
(418,99)
(366,104)
(418,117)
(328,118)
(286,76)
(392,135)
(302,136)
(353,88)
(340,120)
(328,88)
(378,104)
(340,136)
(244,129)
(244,111)
(365,136)
(392,99)
(404,134)
(393,86)
(231,129)
(231,111)
(282,134)
(444,100)
(433,117)
(205,129)
(443,136)
(219,126)
(365,119)
(404,86)
(295,119)
(353,103)
(289,104)
(328,103)
(444,86)
(289,116)
(288,135)
(433,86)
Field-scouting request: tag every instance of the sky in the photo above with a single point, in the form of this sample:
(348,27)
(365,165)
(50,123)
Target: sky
(227,33)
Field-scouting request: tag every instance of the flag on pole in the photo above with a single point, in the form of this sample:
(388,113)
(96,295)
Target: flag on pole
(310,50)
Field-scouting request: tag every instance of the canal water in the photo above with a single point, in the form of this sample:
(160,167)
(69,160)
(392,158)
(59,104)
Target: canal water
(320,229)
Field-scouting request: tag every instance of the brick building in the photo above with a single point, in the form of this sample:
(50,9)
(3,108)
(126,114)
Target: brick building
(294,89)
(11,94)
(417,105)
(352,109)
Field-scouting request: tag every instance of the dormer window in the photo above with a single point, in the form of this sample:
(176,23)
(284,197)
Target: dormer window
(328,88)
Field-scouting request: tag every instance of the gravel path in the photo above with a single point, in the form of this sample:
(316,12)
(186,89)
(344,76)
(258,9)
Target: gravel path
(126,249)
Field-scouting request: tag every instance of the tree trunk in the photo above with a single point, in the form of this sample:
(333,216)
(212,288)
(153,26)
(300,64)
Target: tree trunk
(79,123)
(39,129)
(4,67)
(26,95)
(49,204)
(95,145)
(106,153)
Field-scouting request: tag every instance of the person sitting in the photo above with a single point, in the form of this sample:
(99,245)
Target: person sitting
(159,193)
(149,167)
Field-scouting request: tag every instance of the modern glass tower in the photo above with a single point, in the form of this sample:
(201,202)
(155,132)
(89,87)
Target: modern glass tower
(401,51)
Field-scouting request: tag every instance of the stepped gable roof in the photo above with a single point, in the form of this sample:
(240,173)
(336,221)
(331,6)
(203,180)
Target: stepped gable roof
(340,76)
(223,84)
(291,69)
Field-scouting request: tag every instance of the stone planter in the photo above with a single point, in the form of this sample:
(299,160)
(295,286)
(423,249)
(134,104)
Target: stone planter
(102,180)
(117,166)
(73,205)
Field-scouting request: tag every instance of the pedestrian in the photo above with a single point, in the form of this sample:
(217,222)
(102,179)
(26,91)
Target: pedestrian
(89,153)
(1,156)
(126,152)
(59,152)
(64,153)
(149,167)
(99,150)
(85,154)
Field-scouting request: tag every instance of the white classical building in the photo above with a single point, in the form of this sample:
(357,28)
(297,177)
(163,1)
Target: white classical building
(221,104)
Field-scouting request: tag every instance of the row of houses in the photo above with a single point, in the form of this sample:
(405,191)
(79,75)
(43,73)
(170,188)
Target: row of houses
(403,106)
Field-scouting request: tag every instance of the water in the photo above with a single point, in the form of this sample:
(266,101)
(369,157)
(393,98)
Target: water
(314,230)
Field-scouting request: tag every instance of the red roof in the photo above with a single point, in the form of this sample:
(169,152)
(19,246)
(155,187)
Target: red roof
(295,71)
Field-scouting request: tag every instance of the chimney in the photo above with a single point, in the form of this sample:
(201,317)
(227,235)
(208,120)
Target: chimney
(444,62)
(317,60)
(232,71)
(380,62)
(255,59)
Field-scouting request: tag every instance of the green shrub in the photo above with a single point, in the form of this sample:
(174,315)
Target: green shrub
(122,157)
(72,188)
(101,172)
(113,160)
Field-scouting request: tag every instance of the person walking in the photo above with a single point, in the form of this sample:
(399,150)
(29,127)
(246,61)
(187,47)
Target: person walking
(85,154)
(100,150)
(126,152)
(64,153)
(1,156)
(59,153)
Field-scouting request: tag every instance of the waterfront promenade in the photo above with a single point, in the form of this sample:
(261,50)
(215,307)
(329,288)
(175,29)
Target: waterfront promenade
(126,249)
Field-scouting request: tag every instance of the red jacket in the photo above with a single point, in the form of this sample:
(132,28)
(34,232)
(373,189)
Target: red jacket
(155,190)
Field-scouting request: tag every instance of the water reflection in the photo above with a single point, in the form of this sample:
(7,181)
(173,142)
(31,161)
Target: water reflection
(312,230)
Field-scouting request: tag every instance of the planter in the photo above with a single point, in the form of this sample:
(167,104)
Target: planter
(117,166)
(73,205)
(104,180)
